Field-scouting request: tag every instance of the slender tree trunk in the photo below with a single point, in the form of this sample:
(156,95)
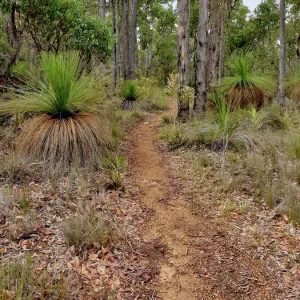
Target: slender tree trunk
(132,41)
(90,4)
(213,42)
(222,43)
(281,93)
(183,55)
(114,58)
(125,39)
(118,50)
(15,39)
(101,9)
(201,57)
(297,46)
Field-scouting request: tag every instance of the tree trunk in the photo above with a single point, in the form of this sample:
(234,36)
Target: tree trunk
(15,39)
(118,51)
(125,39)
(213,42)
(183,55)
(222,45)
(132,41)
(90,4)
(201,57)
(281,94)
(114,58)
(101,9)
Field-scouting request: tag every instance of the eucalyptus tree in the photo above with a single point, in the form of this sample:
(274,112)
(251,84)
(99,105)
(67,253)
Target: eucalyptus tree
(201,59)
(281,93)
(183,55)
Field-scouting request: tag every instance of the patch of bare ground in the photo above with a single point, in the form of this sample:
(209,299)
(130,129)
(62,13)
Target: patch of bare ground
(220,243)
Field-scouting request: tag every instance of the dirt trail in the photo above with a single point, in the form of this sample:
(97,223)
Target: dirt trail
(205,258)
(172,218)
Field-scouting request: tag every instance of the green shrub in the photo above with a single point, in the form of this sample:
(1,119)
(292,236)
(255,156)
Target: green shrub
(129,90)
(175,136)
(151,96)
(266,118)
(293,146)
(114,166)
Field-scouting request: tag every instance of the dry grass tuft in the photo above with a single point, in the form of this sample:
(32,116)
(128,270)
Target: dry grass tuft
(63,143)
(88,228)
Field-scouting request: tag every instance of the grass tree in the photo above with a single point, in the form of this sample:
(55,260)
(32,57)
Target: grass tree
(128,92)
(245,88)
(65,132)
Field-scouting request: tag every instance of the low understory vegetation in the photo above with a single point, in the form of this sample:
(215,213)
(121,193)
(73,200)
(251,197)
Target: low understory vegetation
(144,94)
(62,141)
(259,151)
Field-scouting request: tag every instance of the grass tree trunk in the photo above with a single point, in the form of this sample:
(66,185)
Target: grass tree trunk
(125,39)
(101,9)
(201,59)
(281,93)
(133,41)
(183,55)
(213,42)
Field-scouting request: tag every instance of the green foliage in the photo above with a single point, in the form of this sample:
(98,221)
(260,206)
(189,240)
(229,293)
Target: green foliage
(56,25)
(293,146)
(165,37)
(222,113)
(114,166)
(245,88)
(175,135)
(50,21)
(172,85)
(256,33)
(92,36)
(60,92)
(268,118)
(150,95)
(20,69)
(128,90)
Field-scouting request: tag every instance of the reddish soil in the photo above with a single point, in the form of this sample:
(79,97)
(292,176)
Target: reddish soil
(206,256)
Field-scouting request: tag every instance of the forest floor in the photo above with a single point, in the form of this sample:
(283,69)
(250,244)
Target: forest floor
(179,231)
(213,249)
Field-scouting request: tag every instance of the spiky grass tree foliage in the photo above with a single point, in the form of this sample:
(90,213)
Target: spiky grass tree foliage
(245,88)
(128,92)
(65,133)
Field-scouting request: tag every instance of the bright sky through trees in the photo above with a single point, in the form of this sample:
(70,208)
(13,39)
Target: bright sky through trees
(252,4)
